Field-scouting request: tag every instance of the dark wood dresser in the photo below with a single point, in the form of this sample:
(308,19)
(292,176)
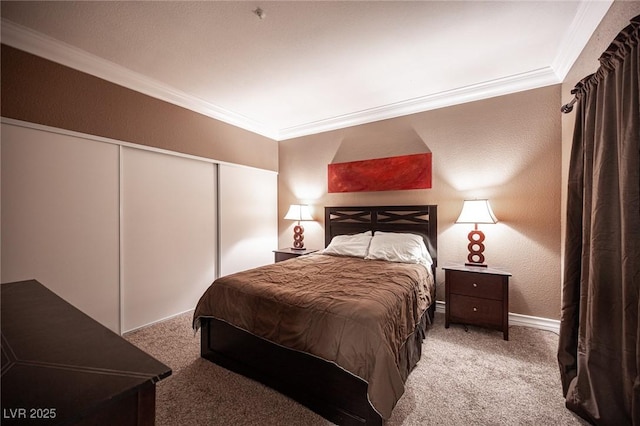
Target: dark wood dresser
(59,366)
(477,296)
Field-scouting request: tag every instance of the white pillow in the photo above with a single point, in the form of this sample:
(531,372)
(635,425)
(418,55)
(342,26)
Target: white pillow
(399,247)
(355,245)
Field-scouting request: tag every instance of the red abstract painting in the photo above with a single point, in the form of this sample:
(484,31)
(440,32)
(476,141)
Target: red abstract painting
(381,174)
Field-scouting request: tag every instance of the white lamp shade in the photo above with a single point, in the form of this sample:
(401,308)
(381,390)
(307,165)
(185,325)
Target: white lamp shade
(298,212)
(476,211)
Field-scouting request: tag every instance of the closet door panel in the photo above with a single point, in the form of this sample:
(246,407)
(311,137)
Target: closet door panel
(60,217)
(248,217)
(168,234)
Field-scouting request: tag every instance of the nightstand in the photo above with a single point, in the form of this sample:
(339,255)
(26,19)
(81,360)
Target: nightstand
(289,253)
(477,296)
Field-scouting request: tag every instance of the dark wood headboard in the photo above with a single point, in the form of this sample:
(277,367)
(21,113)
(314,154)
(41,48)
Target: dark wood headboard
(421,220)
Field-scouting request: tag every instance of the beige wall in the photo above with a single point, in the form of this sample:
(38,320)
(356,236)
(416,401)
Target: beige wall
(507,149)
(44,92)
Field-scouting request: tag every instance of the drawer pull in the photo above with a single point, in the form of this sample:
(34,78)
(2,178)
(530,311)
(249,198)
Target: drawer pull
(475,309)
(474,284)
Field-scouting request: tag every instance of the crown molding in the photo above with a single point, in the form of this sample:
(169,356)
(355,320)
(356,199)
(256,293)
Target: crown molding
(584,24)
(57,51)
(498,87)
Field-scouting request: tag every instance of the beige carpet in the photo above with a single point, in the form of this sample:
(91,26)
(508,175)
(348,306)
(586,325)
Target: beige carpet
(463,378)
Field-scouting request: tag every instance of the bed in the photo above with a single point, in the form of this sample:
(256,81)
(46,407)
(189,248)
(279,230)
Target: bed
(334,331)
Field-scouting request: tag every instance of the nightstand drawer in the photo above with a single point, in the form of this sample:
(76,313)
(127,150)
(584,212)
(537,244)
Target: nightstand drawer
(475,285)
(477,311)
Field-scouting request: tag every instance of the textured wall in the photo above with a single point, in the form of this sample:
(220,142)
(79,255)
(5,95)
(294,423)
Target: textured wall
(507,149)
(40,91)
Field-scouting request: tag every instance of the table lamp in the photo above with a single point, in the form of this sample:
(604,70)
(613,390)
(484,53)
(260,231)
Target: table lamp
(476,211)
(298,212)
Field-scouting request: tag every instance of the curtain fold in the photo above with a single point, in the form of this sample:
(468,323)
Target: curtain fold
(599,344)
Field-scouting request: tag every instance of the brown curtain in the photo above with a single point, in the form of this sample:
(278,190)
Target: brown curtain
(598,351)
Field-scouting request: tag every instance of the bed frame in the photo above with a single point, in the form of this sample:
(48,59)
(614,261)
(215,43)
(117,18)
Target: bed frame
(320,385)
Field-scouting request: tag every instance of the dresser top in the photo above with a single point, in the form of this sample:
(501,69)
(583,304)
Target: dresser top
(56,357)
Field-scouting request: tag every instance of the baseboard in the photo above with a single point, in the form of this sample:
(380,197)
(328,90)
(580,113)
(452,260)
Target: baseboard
(521,320)
(535,322)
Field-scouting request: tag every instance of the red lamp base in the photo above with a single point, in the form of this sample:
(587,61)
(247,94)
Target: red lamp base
(298,237)
(476,248)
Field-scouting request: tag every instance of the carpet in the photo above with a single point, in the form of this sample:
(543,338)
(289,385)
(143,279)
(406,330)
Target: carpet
(463,378)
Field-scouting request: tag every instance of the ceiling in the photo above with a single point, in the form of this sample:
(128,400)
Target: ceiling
(308,67)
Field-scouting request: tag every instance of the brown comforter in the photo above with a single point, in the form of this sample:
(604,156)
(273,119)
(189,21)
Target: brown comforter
(353,312)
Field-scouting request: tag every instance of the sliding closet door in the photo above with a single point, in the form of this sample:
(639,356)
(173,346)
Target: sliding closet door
(60,217)
(248,217)
(168,234)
